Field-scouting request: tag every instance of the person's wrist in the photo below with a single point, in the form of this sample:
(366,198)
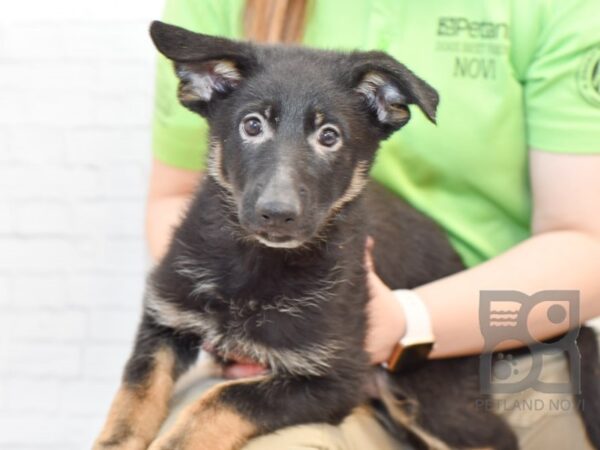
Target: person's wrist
(397,323)
(414,347)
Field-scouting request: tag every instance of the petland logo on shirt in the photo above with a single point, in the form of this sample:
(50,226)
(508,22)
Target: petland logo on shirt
(462,27)
(478,47)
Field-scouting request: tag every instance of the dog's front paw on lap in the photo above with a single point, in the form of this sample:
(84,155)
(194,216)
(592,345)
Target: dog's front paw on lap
(127,443)
(212,428)
(198,436)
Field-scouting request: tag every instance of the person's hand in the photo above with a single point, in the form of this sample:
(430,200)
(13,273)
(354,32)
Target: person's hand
(243,368)
(238,366)
(386,317)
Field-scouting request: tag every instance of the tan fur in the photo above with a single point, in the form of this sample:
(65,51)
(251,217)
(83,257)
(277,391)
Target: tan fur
(215,169)
(137,412)
(357,184)
(197,85)
(370,83)
(319,119)
(368,87)
(187,94)
(399,113)
(398,414)
(228,70)
(208,424)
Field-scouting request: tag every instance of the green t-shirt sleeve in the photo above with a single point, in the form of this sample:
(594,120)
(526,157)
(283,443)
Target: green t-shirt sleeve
(562,83)
(179,136)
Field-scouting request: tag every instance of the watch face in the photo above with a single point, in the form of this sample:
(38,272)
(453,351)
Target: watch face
(409,357)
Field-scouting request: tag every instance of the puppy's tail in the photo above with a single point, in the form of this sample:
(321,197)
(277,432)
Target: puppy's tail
(589,399)
(397,414)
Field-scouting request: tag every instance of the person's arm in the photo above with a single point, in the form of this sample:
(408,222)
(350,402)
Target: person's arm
(563,253)
(168,196)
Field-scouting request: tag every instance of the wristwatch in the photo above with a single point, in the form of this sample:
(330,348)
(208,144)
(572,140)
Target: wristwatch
(415,346)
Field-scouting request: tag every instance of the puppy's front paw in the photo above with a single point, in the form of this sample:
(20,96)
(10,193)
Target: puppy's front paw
(127,443)
(197,438)
(171,442)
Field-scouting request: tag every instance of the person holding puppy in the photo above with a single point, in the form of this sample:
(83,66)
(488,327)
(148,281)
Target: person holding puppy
(510,172)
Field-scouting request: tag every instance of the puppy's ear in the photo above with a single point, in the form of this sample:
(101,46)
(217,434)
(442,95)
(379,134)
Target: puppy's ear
(388,87)
(208,67)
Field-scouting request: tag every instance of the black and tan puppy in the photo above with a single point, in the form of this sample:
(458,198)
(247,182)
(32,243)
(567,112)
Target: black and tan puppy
(268,262)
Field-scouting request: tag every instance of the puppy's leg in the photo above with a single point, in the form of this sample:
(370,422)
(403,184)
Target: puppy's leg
(231,413)
(159,356)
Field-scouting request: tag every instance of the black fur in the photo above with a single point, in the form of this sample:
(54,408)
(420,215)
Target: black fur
(589,398)
(301,309)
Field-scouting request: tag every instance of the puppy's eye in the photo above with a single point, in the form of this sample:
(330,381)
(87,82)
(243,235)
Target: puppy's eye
(253,126)
(328,137)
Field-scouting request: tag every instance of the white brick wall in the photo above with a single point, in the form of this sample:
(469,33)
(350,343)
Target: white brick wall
(76,83)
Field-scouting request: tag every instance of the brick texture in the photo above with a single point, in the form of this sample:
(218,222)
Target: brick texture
(76,86)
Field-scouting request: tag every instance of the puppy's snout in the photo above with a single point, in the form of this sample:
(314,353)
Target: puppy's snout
(277,214)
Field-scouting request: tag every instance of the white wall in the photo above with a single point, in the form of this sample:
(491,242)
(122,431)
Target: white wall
(76,83)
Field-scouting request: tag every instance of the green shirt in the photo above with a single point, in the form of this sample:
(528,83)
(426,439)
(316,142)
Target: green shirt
(512,75)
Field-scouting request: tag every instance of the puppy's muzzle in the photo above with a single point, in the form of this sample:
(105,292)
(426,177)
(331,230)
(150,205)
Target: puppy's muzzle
(277,219)
(274,215)
(278,208)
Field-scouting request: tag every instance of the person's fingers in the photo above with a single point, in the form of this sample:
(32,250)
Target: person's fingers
(235,371)
(370,243)
(240,360)
(369,254)
(239,366)
(207,347)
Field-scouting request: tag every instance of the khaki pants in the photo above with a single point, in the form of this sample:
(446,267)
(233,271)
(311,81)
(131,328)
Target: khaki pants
(541,421)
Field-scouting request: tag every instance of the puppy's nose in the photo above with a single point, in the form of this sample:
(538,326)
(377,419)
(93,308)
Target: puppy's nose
(277,214)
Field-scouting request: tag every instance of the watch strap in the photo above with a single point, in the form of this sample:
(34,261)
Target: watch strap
(418,340)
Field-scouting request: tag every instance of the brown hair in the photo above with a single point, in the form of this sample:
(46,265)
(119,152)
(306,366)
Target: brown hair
(271,21)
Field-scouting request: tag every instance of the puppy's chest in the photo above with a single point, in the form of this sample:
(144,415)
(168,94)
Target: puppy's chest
(273,324)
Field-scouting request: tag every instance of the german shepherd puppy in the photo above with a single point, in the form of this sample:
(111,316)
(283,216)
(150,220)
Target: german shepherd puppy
(268,261)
